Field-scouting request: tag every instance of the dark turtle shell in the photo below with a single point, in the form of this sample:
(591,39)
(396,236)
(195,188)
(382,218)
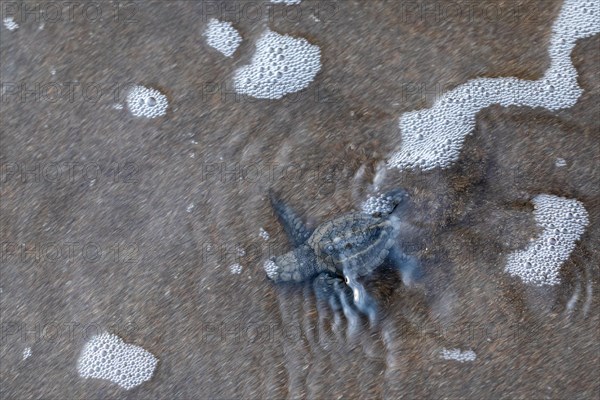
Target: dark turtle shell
(356,241)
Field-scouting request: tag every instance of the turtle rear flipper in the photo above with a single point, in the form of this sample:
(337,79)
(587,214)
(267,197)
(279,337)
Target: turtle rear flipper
(293,225)
(331,288)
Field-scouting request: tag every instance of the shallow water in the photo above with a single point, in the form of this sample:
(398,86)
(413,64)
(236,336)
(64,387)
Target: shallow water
(136,259)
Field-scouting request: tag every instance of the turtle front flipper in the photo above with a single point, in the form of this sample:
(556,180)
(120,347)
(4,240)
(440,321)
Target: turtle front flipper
(361,299)
(292,223)
(348,296)
(332,289)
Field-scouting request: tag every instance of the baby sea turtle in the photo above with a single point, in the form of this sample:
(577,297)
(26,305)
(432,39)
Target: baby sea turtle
(340,251)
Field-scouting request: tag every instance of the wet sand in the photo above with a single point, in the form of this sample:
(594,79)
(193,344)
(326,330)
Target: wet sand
(137,260)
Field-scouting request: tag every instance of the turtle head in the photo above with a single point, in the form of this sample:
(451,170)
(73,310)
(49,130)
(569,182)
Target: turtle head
(398,199)
(397,196)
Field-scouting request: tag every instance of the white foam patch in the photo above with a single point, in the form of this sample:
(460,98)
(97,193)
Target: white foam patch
(236,269)
(458,355)
(560,162)
(146,102)
(563,222)
(264,234)
(26,353)
(434,137)
(10,24)
(106,356)
(222,36)
(281,65)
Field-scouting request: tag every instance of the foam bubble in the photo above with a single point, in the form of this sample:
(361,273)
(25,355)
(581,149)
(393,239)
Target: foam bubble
(222,36)
(458,355)
(10,24)
(281,65)
(563,222)
(106,356)
(264,234)
(26,353)
(146,102)
(271,269)
(378,204)
(434,137)
(235,269)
